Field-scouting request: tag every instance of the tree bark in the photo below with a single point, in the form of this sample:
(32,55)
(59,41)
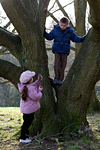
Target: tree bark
(10,71)
(80,16)
(12,42)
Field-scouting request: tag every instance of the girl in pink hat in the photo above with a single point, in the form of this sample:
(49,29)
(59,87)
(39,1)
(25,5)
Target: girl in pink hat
(30,96)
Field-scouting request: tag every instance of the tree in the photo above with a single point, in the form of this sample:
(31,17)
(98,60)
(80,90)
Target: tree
(74,95)
(80,17)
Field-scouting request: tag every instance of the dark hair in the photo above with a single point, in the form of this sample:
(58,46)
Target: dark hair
(65,20)
(24,92)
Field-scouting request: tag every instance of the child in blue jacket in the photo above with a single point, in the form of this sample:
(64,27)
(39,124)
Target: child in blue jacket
(62,33)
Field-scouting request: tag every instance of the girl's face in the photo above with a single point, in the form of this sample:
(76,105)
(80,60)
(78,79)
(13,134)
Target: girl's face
(31,80)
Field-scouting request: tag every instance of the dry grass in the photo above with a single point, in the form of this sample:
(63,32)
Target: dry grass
(10,123)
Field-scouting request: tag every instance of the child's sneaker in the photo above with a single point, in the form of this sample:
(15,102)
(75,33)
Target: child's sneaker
(59,82)
(25,141)
(55,81)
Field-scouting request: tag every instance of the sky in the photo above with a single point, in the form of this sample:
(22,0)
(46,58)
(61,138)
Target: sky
(49,21)
(70,11)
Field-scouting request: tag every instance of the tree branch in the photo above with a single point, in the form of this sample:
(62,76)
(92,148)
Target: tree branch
(17,8)
(12,42)
(5,82)
(10,71)
(42,11)
(59,8)
(8,24)
(33,5)
(52,6)
(8,39)
(50,14)
(94,16)
(63,11)
(3,50)
(95,9)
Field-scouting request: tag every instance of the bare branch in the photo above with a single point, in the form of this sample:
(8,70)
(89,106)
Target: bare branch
(8,24)
(5,82)
(63,11)
(63,7)
(9,39)
(12,42)
(13,31)
(49,49)
(68,4)
(10,71)
(50,14)
(94,16)
(3,50)
(52,6)
(17,8)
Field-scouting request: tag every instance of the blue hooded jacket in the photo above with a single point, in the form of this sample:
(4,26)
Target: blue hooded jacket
(62,40)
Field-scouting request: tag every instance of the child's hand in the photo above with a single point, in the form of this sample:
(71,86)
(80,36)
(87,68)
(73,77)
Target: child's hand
(40,88)
(40,77)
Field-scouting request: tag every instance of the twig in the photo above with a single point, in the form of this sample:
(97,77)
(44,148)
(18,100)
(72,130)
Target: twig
(52,6)
(40,141)
(63,7)
(4,82)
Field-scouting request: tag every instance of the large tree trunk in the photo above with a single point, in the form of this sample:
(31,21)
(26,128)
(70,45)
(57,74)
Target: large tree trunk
(80,16)
(80,19)
(31,32)
(74,95)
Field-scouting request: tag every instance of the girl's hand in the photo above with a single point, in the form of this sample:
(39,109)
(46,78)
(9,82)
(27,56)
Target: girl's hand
(40,88)
(40,77)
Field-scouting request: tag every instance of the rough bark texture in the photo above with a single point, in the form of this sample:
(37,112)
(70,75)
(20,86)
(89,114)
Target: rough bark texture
(74,95)
(80,16)
(83,76)
(80,19)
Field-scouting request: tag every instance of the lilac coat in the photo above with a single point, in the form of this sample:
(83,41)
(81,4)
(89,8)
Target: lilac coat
(32,102)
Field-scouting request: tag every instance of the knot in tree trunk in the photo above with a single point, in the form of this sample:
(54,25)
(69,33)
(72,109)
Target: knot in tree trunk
(94,22)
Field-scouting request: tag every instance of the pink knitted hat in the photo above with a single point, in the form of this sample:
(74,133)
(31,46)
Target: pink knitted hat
(26,76)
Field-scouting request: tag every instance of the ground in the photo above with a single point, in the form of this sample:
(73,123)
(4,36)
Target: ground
(49,145)
(10,123)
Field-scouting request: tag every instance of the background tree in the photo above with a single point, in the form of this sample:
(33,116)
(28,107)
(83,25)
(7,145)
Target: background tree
(73,96)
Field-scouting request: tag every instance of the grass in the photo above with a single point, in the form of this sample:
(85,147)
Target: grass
(11,121)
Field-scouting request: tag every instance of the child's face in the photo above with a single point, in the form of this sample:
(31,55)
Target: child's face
(63,26)
(31,80)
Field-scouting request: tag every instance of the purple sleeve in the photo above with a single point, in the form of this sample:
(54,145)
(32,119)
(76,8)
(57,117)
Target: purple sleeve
(36,83)
(35,95)
(20,87)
